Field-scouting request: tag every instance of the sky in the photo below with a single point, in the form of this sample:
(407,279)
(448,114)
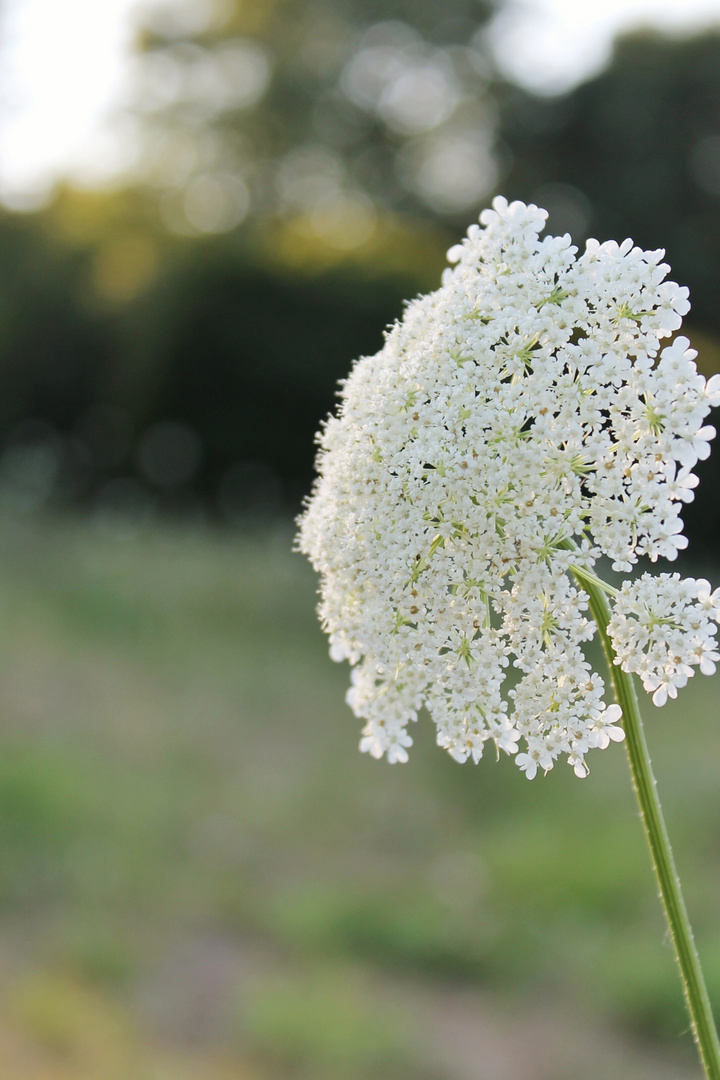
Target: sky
(551,45)
(64,67)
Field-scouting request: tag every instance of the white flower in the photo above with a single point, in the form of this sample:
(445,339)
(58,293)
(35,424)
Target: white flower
(520,420)
(606,730)
(537,756)
(662,627)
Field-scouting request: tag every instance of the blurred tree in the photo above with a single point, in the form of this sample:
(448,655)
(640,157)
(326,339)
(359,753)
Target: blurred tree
(314,115)
(137,368)
(193,351)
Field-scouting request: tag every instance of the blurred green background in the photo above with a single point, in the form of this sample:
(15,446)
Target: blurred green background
(200,877)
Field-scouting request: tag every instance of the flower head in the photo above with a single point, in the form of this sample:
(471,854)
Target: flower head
(520,420)
(662,627)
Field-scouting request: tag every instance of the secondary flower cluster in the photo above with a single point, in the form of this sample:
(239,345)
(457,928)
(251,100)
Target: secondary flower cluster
(663,626)
(519,421)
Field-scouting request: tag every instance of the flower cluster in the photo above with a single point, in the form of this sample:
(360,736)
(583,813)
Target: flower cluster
(664,626)
(520,421)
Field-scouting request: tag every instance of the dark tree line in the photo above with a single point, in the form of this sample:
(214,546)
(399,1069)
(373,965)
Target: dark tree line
(237,346)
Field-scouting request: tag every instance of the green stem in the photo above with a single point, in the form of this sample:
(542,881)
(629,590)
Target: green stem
(696,993)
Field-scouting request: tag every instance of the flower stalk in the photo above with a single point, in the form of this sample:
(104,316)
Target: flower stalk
(696,994)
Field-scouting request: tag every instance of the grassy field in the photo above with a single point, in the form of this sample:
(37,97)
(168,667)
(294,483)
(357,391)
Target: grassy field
(200,877)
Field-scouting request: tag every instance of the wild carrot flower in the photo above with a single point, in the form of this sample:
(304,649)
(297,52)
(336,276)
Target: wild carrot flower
(519,423)
(663,626)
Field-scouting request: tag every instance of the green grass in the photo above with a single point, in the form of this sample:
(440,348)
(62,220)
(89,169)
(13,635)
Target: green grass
(178,771)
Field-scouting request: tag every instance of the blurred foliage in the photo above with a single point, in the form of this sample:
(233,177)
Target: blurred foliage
(330,1026)
(161,351)
(314,113)
(238,353)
